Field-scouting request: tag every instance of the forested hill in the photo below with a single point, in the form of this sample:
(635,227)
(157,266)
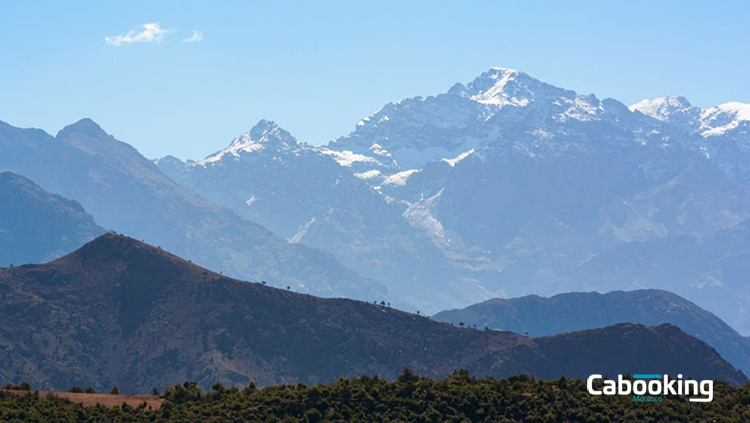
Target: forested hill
(459,398)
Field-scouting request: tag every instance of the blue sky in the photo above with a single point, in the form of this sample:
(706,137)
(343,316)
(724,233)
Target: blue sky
(317,68)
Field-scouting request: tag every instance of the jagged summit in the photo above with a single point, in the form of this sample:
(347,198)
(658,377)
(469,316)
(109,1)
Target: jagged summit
(503,86)
(266,133)
(491,110)
(85,126)
(265,128)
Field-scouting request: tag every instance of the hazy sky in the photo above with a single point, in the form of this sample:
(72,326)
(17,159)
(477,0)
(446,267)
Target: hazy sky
(316,69)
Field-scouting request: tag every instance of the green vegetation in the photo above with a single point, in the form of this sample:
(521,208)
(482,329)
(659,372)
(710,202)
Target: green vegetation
(410,398)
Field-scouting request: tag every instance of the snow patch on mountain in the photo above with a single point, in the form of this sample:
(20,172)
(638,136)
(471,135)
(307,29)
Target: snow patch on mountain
(723,118)
(421,216)
(368,175)
(710,122)
(264,133)
(740,110)
(661,108)
(302,231)
(583,108)
(346,158)
(400,178)
(452,162)
(379,150)
(244,143)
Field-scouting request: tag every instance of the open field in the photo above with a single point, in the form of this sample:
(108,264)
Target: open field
(107,400)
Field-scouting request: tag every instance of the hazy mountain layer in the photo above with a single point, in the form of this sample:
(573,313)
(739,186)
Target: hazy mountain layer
(539,316)
(712,270)
(36,226)
(309,195)
(126,192)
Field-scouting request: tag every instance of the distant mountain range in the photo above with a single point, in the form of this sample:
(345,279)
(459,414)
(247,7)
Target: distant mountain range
(712,269)
(521,187)
(309,195)
(36,226)
(500,187)
(126,192)
(119,311)
(539,316)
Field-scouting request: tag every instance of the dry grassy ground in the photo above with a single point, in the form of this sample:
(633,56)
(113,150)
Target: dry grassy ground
(107,400)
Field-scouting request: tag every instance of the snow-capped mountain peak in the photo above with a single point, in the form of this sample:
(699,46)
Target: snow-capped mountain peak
(710,122)
(661,108)
(500,87)
(508,87)
(266,130)
(740,110)
(490,111)
(265,133)
(723,118)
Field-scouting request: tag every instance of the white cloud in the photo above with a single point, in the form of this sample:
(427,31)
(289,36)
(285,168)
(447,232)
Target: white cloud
(195,38)
(149,33)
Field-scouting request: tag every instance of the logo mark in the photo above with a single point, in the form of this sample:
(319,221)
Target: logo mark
(655,385)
